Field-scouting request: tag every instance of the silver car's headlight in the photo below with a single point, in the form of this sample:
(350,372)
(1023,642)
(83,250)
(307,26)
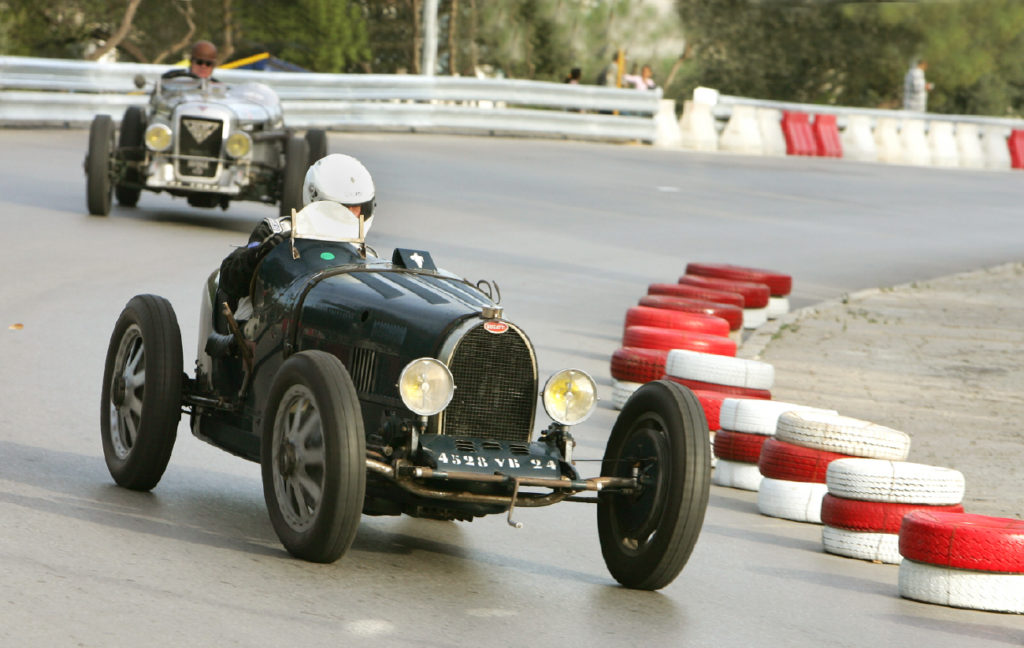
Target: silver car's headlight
(238,145)
(158,137)
(426,386)
(570,396)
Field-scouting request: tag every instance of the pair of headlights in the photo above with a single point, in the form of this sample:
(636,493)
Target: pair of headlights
(426,387)
(159,137)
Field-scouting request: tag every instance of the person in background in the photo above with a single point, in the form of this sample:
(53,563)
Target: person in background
(916,88)
(574,76)
(642,81)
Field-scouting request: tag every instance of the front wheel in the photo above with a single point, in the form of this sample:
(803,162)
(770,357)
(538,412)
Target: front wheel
(313,457)
(98,183)
(296,161)
(661,437)
(316,141)
(141,396)
(130,143)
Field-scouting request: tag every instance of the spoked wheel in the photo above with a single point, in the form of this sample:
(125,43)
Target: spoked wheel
(133,126)
(661,437)
(97,165)
(316,140)
(141,399)
(313,457)
(296,162)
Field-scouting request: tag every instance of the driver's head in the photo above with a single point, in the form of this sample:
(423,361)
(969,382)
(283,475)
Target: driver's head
(203,58)
(342,179)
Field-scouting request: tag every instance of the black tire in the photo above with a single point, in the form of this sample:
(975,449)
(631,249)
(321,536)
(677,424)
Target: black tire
(296,161)
(97,165)
(139,421)
(316,140)
(647,536)
(133,127)
(312,389)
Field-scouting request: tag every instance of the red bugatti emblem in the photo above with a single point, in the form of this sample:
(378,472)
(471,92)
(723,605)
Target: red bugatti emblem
(496,327)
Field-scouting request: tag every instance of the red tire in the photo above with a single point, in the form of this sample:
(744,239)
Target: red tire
(755,295)
(741,392)
(779,285)
(631,364)
(675,319)
(872,517)
(729,312)
(738,446)
(782,460)
(963,541)
(731,297)
(653,337)
(711,402)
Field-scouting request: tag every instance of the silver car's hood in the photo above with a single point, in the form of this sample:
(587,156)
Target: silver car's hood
(249,102)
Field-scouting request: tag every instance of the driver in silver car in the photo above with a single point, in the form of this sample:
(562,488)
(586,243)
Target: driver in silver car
(201,63)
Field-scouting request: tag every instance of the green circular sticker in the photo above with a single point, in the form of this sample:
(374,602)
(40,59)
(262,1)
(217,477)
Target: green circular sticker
(327,256)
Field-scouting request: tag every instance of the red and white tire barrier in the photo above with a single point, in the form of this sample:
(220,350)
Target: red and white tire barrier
(739,392)
(735,474)
(711,402)
(633,364)
(842,434)
(789,462)
(963,560)
(799,501)
(777,307)
(730,297)
(757,416)
(876,480)
(653,337)
(717,369)
(621,391)
(779,285)
(730,313)
(755,296)
(676,319)
(864,545)
(741,447)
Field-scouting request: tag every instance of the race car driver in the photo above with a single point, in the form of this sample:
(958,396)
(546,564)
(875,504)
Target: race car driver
(201,63)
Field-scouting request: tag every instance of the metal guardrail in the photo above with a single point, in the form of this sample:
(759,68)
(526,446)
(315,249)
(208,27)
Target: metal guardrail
(36,91)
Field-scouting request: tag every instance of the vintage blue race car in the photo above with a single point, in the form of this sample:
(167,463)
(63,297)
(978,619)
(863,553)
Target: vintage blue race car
(367,386)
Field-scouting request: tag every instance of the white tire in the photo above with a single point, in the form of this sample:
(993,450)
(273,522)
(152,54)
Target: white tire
(754,317)
(962,588)
(719,369)
(735,474)
(842,434)
(902,482)
(621,391)
(777,307)
(876,547)
(756,416)
(799,501)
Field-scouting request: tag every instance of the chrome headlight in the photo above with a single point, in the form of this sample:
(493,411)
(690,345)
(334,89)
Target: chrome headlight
(158,137)
(426,386)
(570,396)
(238,145)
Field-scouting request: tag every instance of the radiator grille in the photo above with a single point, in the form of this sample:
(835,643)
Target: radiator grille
(199,137)
(495,387)
(363,369)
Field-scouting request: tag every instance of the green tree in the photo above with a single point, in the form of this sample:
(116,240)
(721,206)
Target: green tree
(320,35)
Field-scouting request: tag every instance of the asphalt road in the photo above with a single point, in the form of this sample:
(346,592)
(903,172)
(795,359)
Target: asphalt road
(572,233)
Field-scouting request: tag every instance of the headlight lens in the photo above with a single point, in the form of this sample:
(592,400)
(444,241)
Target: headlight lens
(570,396)
(239,144)
(158,137)
(426,386)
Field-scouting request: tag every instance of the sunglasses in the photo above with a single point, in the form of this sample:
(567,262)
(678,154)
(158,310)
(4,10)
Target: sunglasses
(203,62)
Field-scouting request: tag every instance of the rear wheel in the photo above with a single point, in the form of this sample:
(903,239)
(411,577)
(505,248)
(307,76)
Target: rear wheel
(130,145)
(141,395)
(98,165)
(316,140)
(296,161)
(647,536)
(313,457)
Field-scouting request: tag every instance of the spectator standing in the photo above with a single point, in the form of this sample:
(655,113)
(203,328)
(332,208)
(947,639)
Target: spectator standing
(916,88)
(642,81)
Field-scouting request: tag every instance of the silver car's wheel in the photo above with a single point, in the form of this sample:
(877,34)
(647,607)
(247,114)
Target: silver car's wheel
(298,458)
(127,392)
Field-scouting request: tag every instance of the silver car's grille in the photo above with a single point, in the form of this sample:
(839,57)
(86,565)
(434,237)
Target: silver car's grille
(202,138)
(495,386)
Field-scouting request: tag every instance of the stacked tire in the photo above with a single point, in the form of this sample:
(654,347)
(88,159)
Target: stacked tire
(868,498)
(962,560)
(688,299)
(736,377)
(747,425)
(806,442)
(779,285)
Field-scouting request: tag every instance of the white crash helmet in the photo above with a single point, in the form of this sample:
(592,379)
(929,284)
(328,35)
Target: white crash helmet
(342,179)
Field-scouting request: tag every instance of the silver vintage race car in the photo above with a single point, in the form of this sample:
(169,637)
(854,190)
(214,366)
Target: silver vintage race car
(210,142)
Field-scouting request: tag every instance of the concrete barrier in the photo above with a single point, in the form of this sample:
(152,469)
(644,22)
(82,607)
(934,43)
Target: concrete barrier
(914,141)
(968,146)
(887,140)
(993,142)
(666,127)
(769,122)
(741,133)
(858,141)
(697,127)
(942,144)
